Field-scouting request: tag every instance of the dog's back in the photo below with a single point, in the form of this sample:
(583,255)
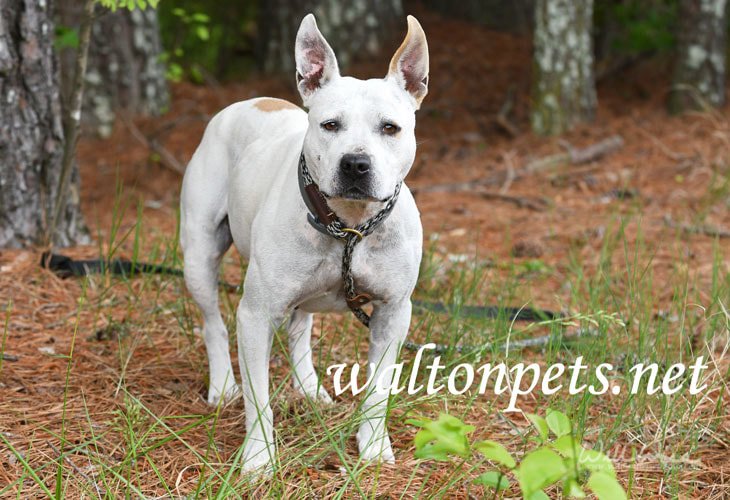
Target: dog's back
(230,136)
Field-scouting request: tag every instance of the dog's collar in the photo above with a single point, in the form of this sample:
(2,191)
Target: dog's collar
(325,220)
(321,217)
(320,214)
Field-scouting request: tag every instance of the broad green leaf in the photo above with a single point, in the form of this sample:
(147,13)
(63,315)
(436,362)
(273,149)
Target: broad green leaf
(432,452)
(538,495)
(541,468)
(540,424)
(202,32)
(595,461)
(565,446)
(422,438)
(416,422)
(606,487)
(201,17)
(558,423)
(497,452)
(571,489)
(448,435)
(493,479)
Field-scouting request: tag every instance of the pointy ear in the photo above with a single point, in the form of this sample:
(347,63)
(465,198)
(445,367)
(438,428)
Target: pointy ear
(409,66)
(315,60)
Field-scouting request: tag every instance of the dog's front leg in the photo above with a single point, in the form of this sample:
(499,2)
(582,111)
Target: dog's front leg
(388,329)
(255,328)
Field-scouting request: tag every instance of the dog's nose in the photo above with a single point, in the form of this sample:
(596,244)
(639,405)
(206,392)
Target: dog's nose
(355,166)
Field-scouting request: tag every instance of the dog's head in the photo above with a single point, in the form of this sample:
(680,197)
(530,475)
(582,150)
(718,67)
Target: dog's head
(360,142)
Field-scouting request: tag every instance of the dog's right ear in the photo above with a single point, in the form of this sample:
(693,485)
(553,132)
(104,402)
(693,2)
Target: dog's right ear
(409,66)
(316,62)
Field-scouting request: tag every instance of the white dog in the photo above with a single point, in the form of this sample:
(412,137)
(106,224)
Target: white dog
(293,191)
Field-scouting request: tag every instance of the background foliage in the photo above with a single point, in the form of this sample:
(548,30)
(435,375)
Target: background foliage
(205,39)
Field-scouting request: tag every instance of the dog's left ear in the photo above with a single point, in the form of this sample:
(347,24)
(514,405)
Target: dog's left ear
(315,60)
(409,66)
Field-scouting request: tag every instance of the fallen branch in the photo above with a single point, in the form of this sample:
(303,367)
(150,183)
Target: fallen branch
(502,119)
(166,158)
(170,125)
(100,491)
(538,205)
(559,178)
(510,176)
(662,147)
(475,186)
(705,230)
(573,156)
(578,156)
(450,187)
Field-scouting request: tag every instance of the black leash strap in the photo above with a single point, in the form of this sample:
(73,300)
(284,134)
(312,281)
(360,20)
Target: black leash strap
(66,267)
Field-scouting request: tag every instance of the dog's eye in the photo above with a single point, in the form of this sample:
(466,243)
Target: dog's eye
(390,129)
(331,125)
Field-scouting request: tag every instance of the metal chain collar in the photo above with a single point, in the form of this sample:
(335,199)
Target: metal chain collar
(351,237)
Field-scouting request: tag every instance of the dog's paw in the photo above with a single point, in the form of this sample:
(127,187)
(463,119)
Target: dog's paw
(230,393)
(372,447)
(257,463)
(323,396)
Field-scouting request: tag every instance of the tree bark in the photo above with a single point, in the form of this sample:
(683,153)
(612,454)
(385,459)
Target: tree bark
(124,69)
(563,90)
(31,134)
(700,69)
(353,29)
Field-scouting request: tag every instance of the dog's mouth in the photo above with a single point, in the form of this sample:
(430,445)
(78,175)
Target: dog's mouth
(356,193)
(352,193)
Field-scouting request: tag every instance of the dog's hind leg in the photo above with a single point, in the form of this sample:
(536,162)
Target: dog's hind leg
(204,249)
(304,376)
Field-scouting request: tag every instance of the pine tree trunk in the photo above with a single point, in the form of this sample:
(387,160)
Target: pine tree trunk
(124,69)
(563,90)
(354,28)
(699,73)
(31,135)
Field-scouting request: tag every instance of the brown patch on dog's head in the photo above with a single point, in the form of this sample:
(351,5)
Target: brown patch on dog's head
(269,105)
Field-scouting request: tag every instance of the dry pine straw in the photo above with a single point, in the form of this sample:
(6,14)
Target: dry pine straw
(166,373)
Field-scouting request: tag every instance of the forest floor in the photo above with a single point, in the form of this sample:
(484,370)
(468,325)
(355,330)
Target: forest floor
(641,232)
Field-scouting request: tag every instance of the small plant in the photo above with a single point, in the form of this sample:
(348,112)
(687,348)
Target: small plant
(191,28)
(129,420)
(113,5)
(559,459)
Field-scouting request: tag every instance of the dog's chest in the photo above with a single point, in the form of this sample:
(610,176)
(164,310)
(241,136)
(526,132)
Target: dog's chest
(323,289)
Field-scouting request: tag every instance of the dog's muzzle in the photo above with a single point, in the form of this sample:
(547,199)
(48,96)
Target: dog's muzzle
(355,177)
